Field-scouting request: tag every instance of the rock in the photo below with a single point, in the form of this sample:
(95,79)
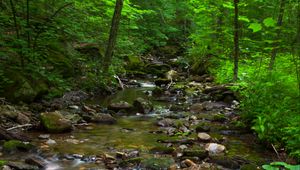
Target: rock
(165,122)
(122,105)
(130,162)
(36,161)
(50,142)
(88,109)
(160,82)
(206,106)
(204,137)
(157,163)
(54,122)
(23,119)
(202,127)
(219,118)
(214,148)
(162,150)
(15,145)
(188,163)
(197,108)
(226,162)
(103,118)
(142,106)
(200,153)
(21,166)
(5,167)
(75,107)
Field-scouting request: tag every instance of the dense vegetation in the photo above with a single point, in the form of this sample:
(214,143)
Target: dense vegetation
(50,47)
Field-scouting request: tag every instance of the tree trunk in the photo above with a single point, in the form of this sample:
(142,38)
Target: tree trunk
(279,24)
(28,25)
(14,14)
(112,35)
(236,40)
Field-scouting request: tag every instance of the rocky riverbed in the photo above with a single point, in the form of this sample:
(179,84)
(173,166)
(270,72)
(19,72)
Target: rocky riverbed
(177,122)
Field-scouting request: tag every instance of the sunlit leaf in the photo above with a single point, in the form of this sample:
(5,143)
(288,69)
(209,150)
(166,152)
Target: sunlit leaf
(269,22)
(255,27)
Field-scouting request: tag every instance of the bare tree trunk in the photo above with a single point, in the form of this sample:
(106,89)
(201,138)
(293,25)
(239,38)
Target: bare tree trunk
(236,40)
(279,24)
(113,35)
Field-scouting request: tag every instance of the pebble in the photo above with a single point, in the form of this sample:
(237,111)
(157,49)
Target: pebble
(51,142)
(204,137)
(44,136)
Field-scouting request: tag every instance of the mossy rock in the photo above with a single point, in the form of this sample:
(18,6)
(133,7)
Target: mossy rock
(23,88)
(134,63)
(162,81)
(162,150)
(131,161)
(2,163)
(157,163)
(158,91)
(54,122)
(219,118)
(15,145)
(142,105)
(202,127)
(157,69)
(200,153)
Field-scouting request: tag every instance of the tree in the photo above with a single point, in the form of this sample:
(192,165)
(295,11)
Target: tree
(236,40)
(113,34)
(278,33)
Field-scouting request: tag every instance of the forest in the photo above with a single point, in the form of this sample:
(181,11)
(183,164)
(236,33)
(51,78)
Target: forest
(150,84)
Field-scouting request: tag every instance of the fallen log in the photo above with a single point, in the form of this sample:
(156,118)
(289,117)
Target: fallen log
(8,135)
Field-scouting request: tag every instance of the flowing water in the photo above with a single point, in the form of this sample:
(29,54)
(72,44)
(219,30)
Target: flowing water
(80,148)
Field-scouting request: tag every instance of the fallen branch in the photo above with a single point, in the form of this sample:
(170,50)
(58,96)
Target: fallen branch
(19,126)
(120,82)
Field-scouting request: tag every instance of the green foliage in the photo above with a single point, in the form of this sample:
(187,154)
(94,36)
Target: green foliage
(278,165)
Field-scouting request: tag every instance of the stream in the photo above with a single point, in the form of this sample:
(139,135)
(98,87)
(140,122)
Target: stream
(92,146)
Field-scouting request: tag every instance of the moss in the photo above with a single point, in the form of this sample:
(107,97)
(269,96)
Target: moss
(3,162)
(200,153)
(157,163)
(14,145)
(54,122)
(219,118)
(131,161)
(162,150)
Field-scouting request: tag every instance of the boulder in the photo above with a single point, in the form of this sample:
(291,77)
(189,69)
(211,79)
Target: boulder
(103,118)
(21,166)
(54,122)
(142,105)
(16,145)
(165,122)
(122,105)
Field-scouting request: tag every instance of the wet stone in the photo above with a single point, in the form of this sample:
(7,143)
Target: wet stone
(21,166)
(214,148)
(204,137)
(36,161)
(44,136)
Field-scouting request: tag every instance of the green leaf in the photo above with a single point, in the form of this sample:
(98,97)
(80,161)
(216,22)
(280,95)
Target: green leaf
(255,27)
(228,5)
(269,167)
(269,22)
(244,18)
